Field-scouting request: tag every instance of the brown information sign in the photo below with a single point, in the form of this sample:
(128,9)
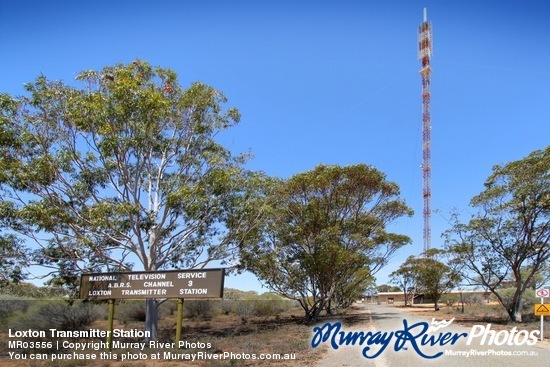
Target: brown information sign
(204,283)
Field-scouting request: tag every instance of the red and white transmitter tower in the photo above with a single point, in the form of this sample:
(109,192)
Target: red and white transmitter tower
(425,55)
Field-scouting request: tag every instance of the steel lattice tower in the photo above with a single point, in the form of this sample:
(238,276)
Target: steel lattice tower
(425,54)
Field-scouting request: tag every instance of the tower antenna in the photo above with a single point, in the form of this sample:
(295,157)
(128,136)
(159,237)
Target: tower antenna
(424,55)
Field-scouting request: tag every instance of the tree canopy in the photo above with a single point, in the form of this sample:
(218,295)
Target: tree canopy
(427,275)
(405,278)
(507,241)
(13,254)
(325,236)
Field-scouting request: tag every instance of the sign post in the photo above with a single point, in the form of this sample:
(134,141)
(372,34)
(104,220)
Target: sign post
(179,321)
(542,309)
(110,318)
(180,284)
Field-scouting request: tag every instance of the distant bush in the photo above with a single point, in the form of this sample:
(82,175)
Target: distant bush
(227,306)
(529,298)
(127,311)
(236,294)
(449,299)
(244,309)
(201,309)
(10,305)
(18,290)
(169,307)
(273,307)
(473,299)
(130,311)
(247,304)
(56,315)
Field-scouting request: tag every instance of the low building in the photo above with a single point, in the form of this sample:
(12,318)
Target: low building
(398,298)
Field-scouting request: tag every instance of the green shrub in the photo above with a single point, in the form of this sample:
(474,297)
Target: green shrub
(529,298)
(169,307)
(244,309)
(59,315)
(127,311)
(10,305)
(130,311)
(267,304)
(227,306)
(272,307)
(473,299)
(28,290)
(203,309)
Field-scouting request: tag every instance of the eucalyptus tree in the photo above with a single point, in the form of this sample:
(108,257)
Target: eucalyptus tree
(506,243)
(405,278)
(125,172)
(325,236)
(427,274)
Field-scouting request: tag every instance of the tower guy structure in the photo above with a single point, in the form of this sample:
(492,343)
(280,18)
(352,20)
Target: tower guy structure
(425,55)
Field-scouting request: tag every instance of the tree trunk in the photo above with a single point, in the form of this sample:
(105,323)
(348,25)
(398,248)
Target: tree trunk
(515,315)
(329,308)
(151,318)
(307,316)
(152,305)
(312,314)
(515,308)
(317,313)
(307,310)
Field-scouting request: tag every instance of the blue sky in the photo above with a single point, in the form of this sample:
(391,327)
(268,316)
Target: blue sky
(332,82)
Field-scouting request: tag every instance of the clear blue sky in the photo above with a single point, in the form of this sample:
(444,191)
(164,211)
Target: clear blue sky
(333,82)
